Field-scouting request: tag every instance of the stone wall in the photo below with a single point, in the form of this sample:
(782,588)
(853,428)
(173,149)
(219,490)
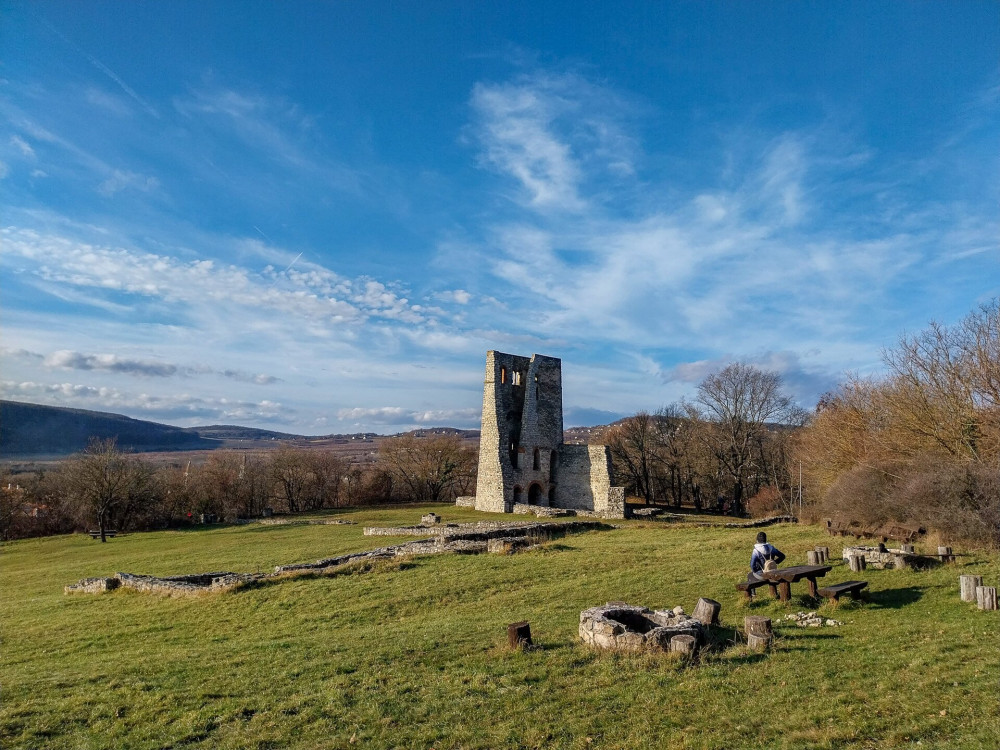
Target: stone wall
(501,537)
(585,481)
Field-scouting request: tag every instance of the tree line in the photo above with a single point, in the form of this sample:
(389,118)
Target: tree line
(727,449)
(921,443)
(106,488)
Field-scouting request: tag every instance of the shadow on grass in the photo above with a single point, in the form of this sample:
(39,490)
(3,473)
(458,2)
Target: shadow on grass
(895,598)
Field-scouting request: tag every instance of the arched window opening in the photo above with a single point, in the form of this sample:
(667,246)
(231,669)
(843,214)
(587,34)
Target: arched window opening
(534,495)
(536,462)
(517,495)
(515,378)
(503,374)
(513,454)
(552,497)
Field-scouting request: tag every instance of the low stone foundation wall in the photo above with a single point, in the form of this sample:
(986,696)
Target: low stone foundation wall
(466,501)
(199,583)
(881,559)
(483,530)
(92,586)
(542,511)
(295,522)
(473,538)
(624,627)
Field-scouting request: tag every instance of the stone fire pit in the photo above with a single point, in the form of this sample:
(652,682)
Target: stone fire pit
(624,627)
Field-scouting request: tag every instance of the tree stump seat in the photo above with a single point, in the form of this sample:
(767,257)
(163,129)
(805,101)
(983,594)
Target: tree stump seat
(847,587)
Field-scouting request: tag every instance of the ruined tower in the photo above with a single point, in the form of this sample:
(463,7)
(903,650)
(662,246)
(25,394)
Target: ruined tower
(522,458)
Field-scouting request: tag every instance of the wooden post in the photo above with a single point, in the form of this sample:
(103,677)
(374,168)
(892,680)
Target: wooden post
(944,554)
(824,554)
(969,585)
(784,591)
(908,548)
(518,635)
(812,557)
(857,563)
(684,644)
(706,611)
(986,597)
(758,631)
(900,562)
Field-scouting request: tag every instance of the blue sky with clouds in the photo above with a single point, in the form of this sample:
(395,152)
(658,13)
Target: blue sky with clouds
(317,217)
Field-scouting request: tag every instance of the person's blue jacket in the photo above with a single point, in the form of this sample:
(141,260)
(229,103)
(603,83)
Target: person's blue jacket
(761,554)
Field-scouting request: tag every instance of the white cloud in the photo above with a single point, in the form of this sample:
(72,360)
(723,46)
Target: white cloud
(550,132)
(402,417)
(174,407)
(23,146)
(120,180)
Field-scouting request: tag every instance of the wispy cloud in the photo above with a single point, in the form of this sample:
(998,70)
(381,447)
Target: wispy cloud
(399,416)
(172,407)
(146,107)
(549,132)
(120,180)
(65,359)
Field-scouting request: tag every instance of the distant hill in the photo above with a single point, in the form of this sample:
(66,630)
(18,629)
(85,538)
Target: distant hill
(36,430)
(33,430)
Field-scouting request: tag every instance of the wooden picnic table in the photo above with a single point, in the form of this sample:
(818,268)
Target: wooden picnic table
(785,577)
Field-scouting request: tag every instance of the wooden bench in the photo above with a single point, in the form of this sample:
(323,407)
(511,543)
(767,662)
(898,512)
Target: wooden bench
(97,534)
(847,587)
(748,587)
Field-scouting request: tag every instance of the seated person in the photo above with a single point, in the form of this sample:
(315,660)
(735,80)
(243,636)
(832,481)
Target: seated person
(763,553)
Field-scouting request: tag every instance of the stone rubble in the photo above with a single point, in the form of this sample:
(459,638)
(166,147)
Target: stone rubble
(883,558)
(812,620)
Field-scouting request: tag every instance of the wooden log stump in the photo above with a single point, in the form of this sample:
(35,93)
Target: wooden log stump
(758,632)
(945,555)
(986,597)
(857,563)
(908,548)
(706,611)
(518,635)
(900,562)
(824,554)
(812,557)
(969,584)
(684,644)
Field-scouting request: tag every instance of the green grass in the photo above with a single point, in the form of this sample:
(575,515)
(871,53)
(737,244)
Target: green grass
(413,653)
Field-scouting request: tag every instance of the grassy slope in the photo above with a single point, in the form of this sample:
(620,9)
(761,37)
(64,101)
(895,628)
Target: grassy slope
(413,654)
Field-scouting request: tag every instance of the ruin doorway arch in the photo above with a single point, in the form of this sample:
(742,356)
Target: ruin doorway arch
(535,494)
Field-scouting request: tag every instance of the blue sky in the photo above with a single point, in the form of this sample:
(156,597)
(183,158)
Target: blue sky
(317,217)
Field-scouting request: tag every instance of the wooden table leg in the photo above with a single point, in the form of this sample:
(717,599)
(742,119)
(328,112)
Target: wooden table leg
(785,591)
(813,591)
(774,589)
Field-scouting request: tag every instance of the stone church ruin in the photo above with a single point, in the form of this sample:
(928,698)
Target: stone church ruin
(524,466)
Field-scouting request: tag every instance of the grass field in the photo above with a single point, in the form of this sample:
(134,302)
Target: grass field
(413,653)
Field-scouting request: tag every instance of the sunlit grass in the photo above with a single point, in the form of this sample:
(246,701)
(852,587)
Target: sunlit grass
(412,653)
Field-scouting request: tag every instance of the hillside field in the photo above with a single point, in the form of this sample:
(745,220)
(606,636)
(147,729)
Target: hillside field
(412,653)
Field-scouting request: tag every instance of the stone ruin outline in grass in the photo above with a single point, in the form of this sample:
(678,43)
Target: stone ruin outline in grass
(499,537)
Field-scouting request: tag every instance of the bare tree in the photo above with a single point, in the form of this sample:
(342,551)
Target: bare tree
(292,473)
(633,443)
(736,404)
(427,468)
(105,483)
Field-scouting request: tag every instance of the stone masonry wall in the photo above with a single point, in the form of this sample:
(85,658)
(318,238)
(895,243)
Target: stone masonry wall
(584,481)
(522,459)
